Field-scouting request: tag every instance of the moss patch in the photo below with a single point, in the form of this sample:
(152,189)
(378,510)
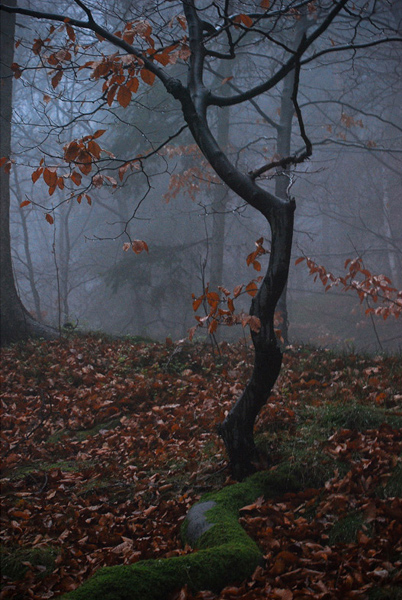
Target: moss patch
(12,561)
(346,529)
(357,416)
(223,550)
(393,487)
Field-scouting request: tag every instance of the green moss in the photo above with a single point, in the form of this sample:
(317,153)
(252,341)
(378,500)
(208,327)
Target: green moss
(346,529)
(393,487)
(36,468)
(84,434)
(357,416)
(212,569)
(12,559)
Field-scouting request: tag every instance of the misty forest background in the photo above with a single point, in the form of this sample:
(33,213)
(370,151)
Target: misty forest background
(348,197)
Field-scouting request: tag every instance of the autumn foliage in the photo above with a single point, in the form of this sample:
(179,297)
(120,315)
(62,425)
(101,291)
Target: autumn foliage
(370,288)
(106,444)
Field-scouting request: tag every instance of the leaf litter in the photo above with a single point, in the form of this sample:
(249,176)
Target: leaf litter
(107,443)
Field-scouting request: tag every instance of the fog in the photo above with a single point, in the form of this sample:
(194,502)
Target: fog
(348,194)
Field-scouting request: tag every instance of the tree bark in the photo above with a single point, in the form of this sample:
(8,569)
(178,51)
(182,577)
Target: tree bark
(237,429)
(15,321)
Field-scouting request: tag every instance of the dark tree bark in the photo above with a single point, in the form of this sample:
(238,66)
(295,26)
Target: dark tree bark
(237,429)
(15,321)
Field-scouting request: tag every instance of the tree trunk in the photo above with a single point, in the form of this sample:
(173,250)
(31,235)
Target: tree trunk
(15,321)
(283,143)
(220,194)
(237,429)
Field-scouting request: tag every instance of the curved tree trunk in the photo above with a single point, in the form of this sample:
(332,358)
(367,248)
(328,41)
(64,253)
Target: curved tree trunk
(15,321)
(237,429)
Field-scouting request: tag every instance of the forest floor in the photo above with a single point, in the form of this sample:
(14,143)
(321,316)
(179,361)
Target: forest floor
(106,444)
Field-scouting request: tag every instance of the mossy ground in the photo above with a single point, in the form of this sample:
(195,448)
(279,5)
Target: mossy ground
(16,562)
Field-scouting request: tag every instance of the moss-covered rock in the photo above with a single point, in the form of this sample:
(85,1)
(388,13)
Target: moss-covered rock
(225,553)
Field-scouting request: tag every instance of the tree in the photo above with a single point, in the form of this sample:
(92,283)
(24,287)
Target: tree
(15,321)
(217,32)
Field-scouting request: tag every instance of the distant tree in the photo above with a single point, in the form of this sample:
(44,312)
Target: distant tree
(142,52)
(15,321)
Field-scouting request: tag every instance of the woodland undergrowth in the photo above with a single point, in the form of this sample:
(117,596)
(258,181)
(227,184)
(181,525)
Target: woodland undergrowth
(107,443)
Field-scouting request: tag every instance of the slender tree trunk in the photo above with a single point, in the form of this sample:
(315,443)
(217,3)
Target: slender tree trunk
(237,429)
(283,143)
(220,197)
(65,263)
(15,321)
(28,254)
(30,268)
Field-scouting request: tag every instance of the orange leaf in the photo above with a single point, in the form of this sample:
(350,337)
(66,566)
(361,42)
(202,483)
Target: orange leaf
(36,174)
(147,76)
(252,288)
(76,177)
(94,149)
(56,79)
(122,170)
(246,20)
(25,203)
(128,36)
(70,33)
(237,290)
(71,151)
(196,303)
(183,21)
(49,218)
(163,58)
(85,162)
(138,246)
(50,177)
(213,326)
(299,260)
(85,168)
(124,96)
(212,297)
(133,84)
(111,94)
(265,4)
(98,133)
